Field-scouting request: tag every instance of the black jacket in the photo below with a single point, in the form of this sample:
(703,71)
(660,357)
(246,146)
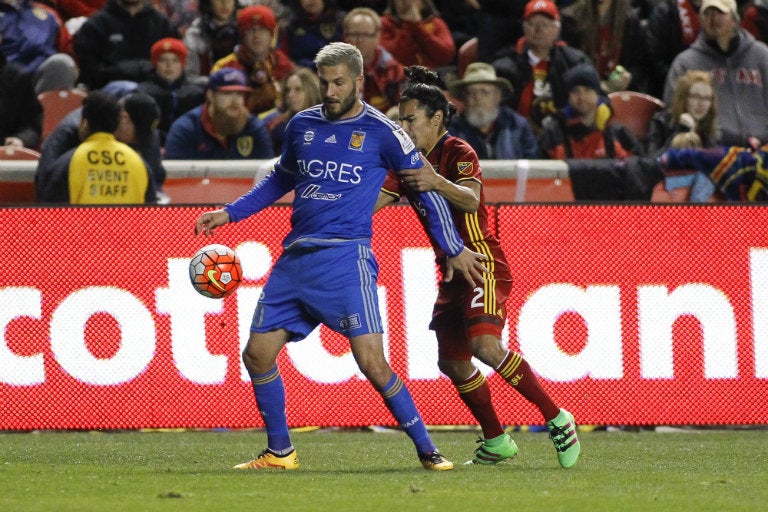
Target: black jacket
(173,99)
(21,114)
(113,45)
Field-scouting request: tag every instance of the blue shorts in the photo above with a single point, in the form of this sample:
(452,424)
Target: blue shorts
(333,285)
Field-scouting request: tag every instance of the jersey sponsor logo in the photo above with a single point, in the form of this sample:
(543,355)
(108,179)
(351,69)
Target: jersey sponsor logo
(313,192)
(331,139)
(245,145)
(350,322)
(357,140)
(406,144)
(464,167)
(330,170)
(309,136)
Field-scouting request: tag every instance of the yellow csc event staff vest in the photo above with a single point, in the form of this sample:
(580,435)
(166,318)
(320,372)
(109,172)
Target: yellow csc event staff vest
(103,170)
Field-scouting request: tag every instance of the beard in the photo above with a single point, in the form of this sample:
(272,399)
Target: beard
(336,110)
(481,119)
(228,121)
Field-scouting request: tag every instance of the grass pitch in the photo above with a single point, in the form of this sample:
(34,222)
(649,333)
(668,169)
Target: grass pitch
(364,471)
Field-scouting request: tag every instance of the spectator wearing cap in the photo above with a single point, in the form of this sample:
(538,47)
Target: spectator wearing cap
(582,129)
(494,130)
(101,169)
(115,42)
(536,64)
(211,36)
(222,127)
(739,65)
(173,92)
(384,76)
(263,64)
(415,34)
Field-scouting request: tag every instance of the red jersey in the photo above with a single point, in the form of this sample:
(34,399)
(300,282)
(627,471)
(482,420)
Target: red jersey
(454,159)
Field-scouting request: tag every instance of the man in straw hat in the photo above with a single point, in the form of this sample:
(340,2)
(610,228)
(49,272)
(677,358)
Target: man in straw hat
(494,130)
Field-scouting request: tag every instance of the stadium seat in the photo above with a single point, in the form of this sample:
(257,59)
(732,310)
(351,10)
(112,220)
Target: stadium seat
(17,153)
(14,188)
(57,104)
(467,54)
(635,110)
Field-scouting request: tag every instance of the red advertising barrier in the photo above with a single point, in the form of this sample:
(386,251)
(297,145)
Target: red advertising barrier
(630,314)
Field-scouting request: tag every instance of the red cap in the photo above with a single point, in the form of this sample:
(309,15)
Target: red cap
(544,7)
(254,16)
(168,45)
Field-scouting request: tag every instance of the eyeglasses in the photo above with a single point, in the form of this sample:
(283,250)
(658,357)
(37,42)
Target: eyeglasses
(699,97)
(360,35)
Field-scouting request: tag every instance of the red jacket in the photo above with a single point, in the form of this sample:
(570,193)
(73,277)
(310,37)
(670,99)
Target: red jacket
(428,43)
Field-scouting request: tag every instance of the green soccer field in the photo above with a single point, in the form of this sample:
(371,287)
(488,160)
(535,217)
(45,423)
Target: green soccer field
(686,470)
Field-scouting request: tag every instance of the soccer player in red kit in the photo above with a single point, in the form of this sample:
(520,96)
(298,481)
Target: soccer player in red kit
(468,320)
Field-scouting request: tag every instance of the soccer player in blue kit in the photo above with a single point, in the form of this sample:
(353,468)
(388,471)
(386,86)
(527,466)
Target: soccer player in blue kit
(335,158)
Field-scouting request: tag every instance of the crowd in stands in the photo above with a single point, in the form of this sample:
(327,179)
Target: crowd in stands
(227,75)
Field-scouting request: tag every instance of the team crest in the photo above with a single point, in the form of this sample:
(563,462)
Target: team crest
(309,136)
(464,167)
(356,141)
(40,13)
(245,145)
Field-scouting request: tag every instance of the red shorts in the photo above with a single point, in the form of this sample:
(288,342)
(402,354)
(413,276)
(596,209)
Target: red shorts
(462,313)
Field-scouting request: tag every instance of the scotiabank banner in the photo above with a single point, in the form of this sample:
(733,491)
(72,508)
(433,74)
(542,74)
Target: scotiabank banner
(630,315)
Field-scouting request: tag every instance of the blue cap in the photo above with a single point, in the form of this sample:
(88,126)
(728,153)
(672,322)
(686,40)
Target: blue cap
(228,79)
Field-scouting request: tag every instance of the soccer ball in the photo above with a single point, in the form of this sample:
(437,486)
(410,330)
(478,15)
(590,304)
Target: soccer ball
(215,271)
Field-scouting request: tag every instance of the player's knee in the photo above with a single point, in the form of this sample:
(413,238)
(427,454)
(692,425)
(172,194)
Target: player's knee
(488,349)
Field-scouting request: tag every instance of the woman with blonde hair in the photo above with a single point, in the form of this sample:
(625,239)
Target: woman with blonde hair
(300,90)
(693,109)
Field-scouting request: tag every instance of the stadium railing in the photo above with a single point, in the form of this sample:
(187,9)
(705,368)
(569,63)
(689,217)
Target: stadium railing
(219,181)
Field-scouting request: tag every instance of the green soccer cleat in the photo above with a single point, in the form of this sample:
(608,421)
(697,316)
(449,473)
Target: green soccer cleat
(502,449)
(562,432)
(268,460)
(434,461)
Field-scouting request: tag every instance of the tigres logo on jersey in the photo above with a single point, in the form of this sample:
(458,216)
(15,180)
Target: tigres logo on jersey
(245,145)
(356,141)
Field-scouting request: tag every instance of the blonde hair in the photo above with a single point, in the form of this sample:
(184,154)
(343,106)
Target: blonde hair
(706,127)
(309,83)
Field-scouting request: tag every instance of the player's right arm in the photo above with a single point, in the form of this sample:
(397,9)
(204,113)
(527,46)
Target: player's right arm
(266,192)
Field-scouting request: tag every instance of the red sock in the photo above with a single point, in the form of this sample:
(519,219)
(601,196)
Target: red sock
(515,370)
(475,393)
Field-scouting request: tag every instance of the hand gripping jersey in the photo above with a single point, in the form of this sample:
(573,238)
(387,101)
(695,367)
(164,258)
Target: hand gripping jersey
(336,169)
(454,159)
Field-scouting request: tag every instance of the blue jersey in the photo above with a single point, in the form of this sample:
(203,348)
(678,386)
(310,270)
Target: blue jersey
(336,169)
